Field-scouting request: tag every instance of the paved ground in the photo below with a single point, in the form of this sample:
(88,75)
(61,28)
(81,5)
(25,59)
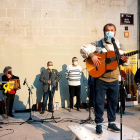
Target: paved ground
(57,131)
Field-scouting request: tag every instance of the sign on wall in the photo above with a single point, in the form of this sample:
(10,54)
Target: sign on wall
(126,19)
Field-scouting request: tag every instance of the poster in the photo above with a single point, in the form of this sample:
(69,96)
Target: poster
(128,73)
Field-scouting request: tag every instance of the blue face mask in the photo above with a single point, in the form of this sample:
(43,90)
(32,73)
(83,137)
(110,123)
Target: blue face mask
(108,36)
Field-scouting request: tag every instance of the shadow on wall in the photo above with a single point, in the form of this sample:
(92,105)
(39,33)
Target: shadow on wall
(38,85)
(18,103)
(64,88)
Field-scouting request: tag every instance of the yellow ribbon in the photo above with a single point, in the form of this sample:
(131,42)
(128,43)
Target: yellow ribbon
(8,86)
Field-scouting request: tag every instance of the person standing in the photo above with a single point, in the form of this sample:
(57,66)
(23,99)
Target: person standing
(10,95)
(108,82)
(73,75)
(49,77)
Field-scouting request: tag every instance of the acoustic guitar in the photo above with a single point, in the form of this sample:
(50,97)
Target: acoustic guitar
(108,62)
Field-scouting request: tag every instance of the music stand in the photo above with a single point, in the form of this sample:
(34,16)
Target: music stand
(30,117)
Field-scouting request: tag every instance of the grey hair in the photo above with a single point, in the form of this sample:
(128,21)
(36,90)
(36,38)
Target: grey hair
(6,69)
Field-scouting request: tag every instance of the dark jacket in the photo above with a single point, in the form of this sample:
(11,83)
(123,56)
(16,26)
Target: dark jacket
(5,78)
(46,76)
(137,76)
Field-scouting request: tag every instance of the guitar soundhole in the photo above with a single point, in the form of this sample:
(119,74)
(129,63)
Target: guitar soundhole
(107,60)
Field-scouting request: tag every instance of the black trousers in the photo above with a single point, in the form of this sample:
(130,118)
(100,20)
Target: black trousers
(111,89)
(9,103)
(75,91)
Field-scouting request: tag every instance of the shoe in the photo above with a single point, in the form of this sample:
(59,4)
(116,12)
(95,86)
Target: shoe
(11,115)
(50,110)
(70,110)
(78,109)
(99,129)
(42,112)
(113,127)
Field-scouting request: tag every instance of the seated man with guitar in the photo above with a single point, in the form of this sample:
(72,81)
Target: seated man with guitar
(8,76)
(102,65)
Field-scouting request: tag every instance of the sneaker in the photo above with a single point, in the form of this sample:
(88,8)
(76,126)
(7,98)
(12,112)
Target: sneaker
(70,110)
(42,112)
(99,129)
(113,127)
(78,109)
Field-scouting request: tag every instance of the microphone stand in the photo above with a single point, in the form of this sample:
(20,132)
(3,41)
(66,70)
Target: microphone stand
(30,117)
(122,83)
(89,119)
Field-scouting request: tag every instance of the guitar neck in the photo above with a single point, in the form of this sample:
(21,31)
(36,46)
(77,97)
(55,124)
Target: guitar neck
(132,53)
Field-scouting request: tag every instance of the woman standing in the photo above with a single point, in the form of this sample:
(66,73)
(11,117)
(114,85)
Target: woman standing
(10,95)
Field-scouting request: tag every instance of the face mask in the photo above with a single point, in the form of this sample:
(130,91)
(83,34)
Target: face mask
(108,36)
(50,67)
(75,63)
(9,72)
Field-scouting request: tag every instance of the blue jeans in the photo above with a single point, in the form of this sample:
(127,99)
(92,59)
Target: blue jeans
(45,98)
(111,89)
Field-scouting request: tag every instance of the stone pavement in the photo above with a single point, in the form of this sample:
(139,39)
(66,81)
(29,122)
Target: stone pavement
(48,130)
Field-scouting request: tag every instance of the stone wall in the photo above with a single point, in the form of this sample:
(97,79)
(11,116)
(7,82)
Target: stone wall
(32,32)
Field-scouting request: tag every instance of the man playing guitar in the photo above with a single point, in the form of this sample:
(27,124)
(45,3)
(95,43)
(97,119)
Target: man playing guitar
(107,83)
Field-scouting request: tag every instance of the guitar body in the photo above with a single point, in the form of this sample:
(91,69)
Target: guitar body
(106,64)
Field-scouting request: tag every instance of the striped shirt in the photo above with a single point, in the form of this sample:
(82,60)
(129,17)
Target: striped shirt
(73,75)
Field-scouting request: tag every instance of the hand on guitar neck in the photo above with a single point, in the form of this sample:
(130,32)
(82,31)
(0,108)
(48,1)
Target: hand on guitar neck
(124,58)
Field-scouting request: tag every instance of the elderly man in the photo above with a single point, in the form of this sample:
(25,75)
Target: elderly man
(106,83)
(49,78)
(73,75)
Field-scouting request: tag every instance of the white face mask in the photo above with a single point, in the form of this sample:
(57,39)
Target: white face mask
(75,63)
(108,36)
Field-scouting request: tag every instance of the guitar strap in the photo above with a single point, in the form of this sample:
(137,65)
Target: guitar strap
(106,47)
